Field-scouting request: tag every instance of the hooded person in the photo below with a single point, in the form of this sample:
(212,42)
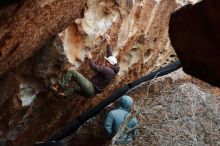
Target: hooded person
(97,84)
(116,117)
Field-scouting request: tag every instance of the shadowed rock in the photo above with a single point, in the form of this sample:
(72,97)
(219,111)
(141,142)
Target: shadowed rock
(195,35)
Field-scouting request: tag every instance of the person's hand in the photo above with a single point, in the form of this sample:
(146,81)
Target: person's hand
(102,53)
(62,94)
(66,67)
(107,37)
(88,56)
(55,87)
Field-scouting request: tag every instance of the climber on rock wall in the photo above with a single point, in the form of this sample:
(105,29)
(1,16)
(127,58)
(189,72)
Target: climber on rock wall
(116,118)
(89,88)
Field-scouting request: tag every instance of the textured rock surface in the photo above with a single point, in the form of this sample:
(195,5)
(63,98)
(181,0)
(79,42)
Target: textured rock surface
(41,69)
(10,101)
(139,36)
(26,26)
(197,46)
(138,33)
(34,76)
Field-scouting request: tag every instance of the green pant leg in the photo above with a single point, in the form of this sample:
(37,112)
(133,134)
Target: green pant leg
(77,90)
(71,91)
(66,79)
(86,87)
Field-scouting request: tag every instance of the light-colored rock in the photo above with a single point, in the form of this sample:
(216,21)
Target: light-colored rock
(138,31)
(139,35)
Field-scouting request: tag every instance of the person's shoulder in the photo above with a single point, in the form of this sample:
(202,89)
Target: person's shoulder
(111,113)
(115,68)
(108,69)
(115,110)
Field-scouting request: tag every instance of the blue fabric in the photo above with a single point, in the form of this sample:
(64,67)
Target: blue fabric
(115,118)
(125,102)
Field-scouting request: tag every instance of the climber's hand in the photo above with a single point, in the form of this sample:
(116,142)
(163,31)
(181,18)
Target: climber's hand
(88,56)
(102,53)
(62,94)
(55,87)
(107,37)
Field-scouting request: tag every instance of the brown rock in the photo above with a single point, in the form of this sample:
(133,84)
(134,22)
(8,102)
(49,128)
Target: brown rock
(136,56)
(195,34)
(10,102)
(32,24)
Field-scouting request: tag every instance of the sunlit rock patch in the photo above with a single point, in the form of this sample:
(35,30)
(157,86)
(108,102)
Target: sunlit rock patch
(138,31)
(28,91)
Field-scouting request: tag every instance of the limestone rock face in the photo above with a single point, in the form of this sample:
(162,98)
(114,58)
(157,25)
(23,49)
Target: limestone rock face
(39,71)
(27,25)
(46,63)
(138,33)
